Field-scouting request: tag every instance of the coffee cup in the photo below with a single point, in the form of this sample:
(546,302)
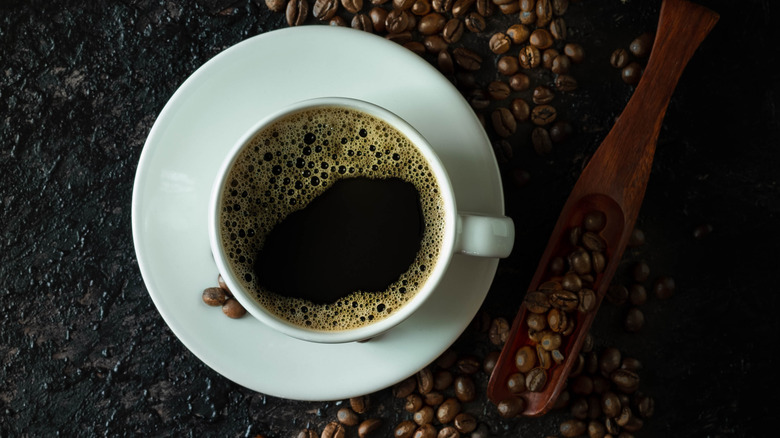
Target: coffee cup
(333,220)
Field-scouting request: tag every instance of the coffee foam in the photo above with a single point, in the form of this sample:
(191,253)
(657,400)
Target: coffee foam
(294,160)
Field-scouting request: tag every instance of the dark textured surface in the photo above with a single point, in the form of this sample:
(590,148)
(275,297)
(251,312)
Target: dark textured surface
(84,351)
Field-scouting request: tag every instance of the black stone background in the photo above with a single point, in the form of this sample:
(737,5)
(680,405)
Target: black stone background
(84,351)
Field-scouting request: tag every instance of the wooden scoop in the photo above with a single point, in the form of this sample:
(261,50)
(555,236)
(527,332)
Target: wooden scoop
(614,183)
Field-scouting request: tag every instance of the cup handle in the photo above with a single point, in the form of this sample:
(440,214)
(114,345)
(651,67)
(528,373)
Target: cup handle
(484,236)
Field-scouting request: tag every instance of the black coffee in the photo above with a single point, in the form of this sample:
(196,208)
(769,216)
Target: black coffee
(332,217)
(368,230)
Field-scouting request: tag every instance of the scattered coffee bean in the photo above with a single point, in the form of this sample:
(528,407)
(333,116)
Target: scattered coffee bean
(435,44)
(448,410)
(511,407)
(508,65)
(520,109)
(540,138)
(544,12)
(433,399)
(465,389)
(664,287)
(424,381)
(498,90)
(468,364)
(413,403)
(307,433)
(368,427)
(561,64)
(405,429)
(641,45)
(617,294)
(448,432)
(518,33)
(626,380)
(465,422)
(442,379)
(575,52)
(499,331)
(333,429)
(359,404)
(631,73)
(425,431)
(548,56)
(468,59)
(560,131)
(503,122)
(529,57)
(363,22)
(519,82)
(296,12)
(565,83)
(543,115)
(347,417)
(233,309)
(619,58)
(431,24)
(423,416)
(421,7)
(558,28)
(474,22)
(447,66)
(405,387)
(572,428)
(462,7)
(499,43)
(536,379)
(541,38)
(452,33)
(325,9)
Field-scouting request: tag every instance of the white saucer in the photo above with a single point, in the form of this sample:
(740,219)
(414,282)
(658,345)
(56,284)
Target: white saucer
(179,162)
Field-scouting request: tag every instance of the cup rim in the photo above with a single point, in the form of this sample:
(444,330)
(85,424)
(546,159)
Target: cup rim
(373,329)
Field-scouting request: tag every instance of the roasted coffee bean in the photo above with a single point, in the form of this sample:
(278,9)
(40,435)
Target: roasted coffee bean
(580,261)
(465,422)
(631,73)
(617,294)
(619,58)
(448,410)
(431,24)
(544,12)
(557,356)
(542,95)
(223,285)
(537,302)
(559,6)
(527,5)
(575,52)
(633,425)
(333,429)
(425,431)
(447,66)
(367,427)
(624,416)
(467,59)
(587,300)
(640,271)
(518,33)
(565,83)
(575,234)
(625,380)
(485,8)
(561,64)
(571,282)
(520,109)
(499,331)
(527,17)
(363,22)
(405,429)
(413,403)
(540,139)
(378,16)
(609,360)
(582,385)
(504,122)
(563,400)
(325,9)
(596,429)
(536,379)
(641,45)
(645,405)
(610,404)
(465,389)
(536,321)
(353,6)
(478,99)
(405,387)
(447,359)
(507,65)
(515,383)
(307,433)
(337,21)
(498,90)
(558,28)
(233,309)
(635,320)
(548,56)
(594,221)
(511,407)
(297,11)
(593,241)
(214,296)
(520,82)
(359,404)
(424,381)
(543,358)
(441,6)
(551,341)
(579,408)
(543,114)
(525,359)
(462,7)
(421,7)
(403,4)
(509,8)
(468,364)
(631,363)
(433,399)
(435,44)
(453,31)
(442,379)
(541,38)
(397,22)
(423,416)
(529,57)
(474,22)
(663,287)
(448,432)
(347,416)
(499,43)
(276,5)
(489,363)
(399,38)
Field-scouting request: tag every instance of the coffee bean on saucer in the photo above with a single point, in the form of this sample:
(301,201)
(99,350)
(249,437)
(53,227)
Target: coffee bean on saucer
(233,309)
(297,11)
(214,296)
(367,427)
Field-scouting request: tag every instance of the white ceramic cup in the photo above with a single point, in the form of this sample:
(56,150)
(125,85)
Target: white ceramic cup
(472,234)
